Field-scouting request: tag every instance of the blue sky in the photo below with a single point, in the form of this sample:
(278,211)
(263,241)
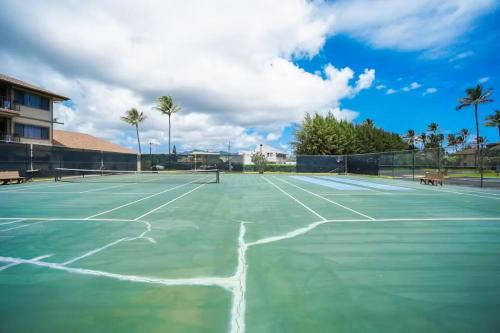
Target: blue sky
(248,71)
(396,69)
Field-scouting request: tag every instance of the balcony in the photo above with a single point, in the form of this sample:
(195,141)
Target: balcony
(8,137)
(8,107)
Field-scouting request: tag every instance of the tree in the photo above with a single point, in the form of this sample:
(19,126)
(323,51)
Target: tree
(174,154)
(325,135)
(423,139)
(434,139)
(167,107)
(134,117)
(432,127)
(369,122)
(475,96)
(452,141)
(464,133)
(260,161)
(493,121)
(410,138)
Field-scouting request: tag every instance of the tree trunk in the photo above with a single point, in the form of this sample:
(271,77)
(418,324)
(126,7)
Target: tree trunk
(138,139)
(169,138)
(477,132)
(477,127)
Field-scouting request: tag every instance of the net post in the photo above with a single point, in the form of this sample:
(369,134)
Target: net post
(217,176)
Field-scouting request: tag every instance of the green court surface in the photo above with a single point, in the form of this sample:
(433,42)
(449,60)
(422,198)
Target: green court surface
(255,253)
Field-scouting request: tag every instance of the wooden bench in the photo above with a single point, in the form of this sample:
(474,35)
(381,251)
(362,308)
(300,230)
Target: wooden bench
(11,176)
(432,178)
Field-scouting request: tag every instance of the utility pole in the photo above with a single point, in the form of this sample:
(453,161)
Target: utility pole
(229,156)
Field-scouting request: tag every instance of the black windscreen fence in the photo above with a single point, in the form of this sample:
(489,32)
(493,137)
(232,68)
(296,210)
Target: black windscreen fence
(222,161)
(461,167)
(40,161)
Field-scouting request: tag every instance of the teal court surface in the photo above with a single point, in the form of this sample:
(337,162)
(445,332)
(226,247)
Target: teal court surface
(255,253)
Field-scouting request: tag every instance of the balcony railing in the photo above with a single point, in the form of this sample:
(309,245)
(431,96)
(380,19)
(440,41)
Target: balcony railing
(8,104)
(8,137)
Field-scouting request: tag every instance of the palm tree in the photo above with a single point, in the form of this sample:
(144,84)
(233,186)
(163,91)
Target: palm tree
(167,107)
(423,138)
(464,133)
(493,121)
(433,127)
(369,122)
(475,96)
(452,141)
(410,138)
(134,117)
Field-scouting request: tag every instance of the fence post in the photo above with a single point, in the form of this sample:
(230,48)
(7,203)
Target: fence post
(393,154)
(31,156)
(345,164)
(138,162)
(481,164)
(413,164)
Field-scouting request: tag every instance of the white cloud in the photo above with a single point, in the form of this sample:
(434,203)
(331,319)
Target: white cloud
(412,86)
(230,65)
(380,87)
(484,79)
(407,25)
(226,76)
(461,56)
(429,91)
(344,114)
(391,91)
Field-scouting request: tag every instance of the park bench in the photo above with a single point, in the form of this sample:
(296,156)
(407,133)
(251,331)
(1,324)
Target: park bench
(11,176)
(432,178)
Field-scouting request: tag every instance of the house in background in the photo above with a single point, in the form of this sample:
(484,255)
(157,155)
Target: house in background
(77,140)
(272,155)
(26,111)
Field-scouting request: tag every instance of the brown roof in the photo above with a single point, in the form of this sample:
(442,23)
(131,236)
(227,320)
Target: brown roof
(26,85)
(86,141)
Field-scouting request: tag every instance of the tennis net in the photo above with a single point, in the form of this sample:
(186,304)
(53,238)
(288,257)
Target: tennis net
(122,176)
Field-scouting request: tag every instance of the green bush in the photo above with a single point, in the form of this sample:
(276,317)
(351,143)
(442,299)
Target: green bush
(271,168)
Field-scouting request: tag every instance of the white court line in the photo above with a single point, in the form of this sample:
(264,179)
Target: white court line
(169,202)
(435,188)
(15,221)
(64,219)
(223,282)
(301,231)
(32,186)
(124,239)
(326,199)
(296,200)
(15,264)
(106,188)
(22,226)
(76,192)
(139,200)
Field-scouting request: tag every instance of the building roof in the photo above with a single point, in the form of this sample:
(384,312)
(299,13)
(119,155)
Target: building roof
(26,85)
(86,141)
(266,148)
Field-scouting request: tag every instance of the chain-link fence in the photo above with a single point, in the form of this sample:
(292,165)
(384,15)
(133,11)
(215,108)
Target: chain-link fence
(466,167)
(226,162)
(33,160)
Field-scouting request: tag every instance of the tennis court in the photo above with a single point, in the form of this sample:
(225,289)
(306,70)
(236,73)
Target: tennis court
(253,253)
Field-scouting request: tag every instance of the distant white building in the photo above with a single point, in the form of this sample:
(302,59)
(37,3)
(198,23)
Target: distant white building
(272,155)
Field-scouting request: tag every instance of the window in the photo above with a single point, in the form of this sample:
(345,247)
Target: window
(31,100)
(32,132)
